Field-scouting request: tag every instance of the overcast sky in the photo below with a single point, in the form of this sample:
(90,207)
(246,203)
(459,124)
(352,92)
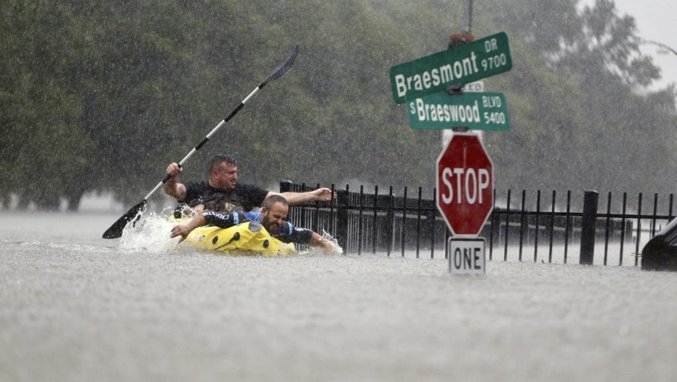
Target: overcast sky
(657,21)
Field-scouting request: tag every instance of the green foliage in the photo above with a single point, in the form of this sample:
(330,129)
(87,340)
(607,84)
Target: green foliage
(101,95)
(595,127)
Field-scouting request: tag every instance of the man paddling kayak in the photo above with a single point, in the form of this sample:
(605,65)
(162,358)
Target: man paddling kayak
(272,217)
(222,193)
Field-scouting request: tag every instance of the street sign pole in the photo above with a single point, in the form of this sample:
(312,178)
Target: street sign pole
(431,86)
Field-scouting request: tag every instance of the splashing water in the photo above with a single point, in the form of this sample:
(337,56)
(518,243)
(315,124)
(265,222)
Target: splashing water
(149,233)
(337,248)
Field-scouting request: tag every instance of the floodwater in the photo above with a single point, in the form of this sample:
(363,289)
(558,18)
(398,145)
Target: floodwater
(74,307)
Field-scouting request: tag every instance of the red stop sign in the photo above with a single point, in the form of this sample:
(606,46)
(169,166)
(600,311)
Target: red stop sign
(465,185)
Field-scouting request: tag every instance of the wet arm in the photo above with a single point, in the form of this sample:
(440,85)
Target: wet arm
(317,241)
(184,230)
(322,194)
(221,220)
(172,187)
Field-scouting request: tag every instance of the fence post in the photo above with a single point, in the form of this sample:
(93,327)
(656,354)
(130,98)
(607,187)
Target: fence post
(286,185)
(342,201)
(588,227)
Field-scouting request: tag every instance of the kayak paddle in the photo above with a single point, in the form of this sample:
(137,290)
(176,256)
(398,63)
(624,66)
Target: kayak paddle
(115,231)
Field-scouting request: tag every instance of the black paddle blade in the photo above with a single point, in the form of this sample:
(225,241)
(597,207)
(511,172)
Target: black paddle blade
(115,231)
(283,67)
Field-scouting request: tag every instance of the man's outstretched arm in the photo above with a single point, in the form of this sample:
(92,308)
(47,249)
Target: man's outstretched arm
(322,194)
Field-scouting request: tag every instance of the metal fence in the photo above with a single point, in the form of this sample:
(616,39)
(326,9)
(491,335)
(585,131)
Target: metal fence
(579,228)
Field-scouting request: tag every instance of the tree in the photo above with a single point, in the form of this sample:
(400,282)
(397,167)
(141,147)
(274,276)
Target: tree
(45,149)
(100,96)
(578,75)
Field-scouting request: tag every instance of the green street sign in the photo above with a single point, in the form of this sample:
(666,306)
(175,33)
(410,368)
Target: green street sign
(457,66)
(476,111)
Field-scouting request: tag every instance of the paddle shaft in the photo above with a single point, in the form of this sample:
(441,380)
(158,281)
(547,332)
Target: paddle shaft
(207,137)
(277,73)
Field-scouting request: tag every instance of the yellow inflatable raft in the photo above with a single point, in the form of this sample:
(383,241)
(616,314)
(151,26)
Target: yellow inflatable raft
(249,238)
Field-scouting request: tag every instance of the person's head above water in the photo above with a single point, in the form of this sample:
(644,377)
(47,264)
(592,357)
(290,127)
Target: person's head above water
(223,172)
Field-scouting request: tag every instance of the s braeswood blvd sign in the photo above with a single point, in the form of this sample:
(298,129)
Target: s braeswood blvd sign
(478,111)
(462,64)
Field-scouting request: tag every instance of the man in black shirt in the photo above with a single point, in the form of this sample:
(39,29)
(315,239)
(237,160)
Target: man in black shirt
(222,193)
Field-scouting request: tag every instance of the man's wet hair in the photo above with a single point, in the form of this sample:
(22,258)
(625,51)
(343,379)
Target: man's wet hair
(272,199)
(220,158)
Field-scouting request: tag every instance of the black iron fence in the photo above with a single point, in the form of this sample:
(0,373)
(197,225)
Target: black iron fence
(580,228)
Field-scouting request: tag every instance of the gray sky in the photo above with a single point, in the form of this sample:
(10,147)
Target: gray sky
(657,21)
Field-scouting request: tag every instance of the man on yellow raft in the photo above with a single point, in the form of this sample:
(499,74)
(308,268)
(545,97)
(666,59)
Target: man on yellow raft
(272,217)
